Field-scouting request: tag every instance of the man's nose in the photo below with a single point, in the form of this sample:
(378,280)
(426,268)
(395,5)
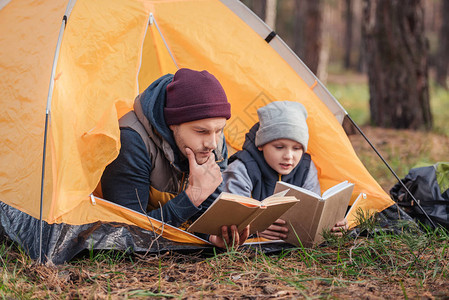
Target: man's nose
(211,142)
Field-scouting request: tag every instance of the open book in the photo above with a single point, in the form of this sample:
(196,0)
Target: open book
(230,209)
(314,213)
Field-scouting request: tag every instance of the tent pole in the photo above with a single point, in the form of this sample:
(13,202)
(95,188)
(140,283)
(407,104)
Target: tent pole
(153,20)
(47,116)
(391,170)
(42,188)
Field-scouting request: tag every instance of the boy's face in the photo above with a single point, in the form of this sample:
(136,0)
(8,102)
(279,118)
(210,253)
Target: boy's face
(282,155)
(200,136)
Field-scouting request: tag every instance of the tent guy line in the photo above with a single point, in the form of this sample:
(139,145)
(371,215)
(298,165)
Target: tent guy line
(391,170)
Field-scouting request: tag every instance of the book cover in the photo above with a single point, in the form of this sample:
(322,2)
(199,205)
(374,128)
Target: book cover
(314,213)
(230,209)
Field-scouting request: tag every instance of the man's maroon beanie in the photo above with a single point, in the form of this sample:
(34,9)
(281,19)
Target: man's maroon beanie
(194,95)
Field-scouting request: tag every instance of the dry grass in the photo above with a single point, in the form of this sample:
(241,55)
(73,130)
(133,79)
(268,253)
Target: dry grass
(325,272)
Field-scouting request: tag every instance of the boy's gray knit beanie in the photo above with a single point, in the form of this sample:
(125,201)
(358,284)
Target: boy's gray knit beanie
(282,120)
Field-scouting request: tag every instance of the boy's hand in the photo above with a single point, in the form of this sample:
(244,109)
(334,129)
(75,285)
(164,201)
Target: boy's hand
(340,227)
(203,179)
(230,237)
(277,231)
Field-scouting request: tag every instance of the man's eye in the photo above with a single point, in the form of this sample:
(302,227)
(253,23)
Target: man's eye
(278,147)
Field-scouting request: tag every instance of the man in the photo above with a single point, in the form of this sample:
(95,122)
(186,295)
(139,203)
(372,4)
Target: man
(173,151)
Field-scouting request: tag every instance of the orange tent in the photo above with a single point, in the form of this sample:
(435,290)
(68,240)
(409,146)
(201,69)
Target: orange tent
(70,69)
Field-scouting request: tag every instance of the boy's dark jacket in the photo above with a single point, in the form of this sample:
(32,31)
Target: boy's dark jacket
(262,176)
(150,166)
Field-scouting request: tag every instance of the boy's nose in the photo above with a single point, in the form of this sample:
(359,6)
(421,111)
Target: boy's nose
(288,154)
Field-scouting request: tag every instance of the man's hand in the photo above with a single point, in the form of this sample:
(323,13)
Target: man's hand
(340,227)
(203,179)
(230,238)
(277,231)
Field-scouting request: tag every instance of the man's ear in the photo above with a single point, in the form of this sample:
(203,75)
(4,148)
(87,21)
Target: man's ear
(172,127)
(260,148)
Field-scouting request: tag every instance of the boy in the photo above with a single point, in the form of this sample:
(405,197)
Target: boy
(275,150)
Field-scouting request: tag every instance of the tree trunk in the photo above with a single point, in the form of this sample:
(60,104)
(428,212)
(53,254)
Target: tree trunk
(396,56)
(307,31)
(442,60)
(312,34)
(358,13)
(270,12)
(322,70)
(348,34)
(298,28)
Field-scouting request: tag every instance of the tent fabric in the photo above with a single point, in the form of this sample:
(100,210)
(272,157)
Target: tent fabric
(112,50)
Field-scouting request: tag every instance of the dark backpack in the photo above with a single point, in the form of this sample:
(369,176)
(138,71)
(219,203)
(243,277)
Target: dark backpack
(429,186)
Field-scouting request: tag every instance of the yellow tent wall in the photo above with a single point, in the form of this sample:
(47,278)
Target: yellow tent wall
(29,32)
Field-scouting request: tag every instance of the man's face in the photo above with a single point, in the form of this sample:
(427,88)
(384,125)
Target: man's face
(282,155)
(200,136)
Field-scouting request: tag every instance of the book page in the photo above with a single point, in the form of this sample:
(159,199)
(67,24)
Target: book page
(281,186)
(237,198)
(335,189)
(272,213)
(278,200)
(354,205)
(223,212)
(280,194)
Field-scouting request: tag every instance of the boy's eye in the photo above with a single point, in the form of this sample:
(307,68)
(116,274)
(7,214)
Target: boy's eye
(278,147)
